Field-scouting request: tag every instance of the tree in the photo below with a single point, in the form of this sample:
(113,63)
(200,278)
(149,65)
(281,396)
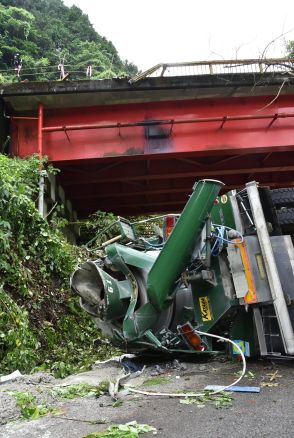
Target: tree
(40,34)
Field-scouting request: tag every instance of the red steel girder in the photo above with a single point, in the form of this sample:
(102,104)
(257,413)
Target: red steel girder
(177,168)
(110,161)
(120,130)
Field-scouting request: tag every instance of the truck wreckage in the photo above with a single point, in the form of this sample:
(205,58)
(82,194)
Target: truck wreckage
(224,270)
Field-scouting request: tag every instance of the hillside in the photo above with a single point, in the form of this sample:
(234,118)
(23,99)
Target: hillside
(41,323)
(41,34)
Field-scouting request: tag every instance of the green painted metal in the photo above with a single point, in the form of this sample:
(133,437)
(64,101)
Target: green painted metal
(214,296)
(178,249)
(222,213)
(117,295)
(135,323)
(243,328)
(168,266)
(134,308)
(130,256)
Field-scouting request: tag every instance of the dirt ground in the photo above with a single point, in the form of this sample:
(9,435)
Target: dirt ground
(265,414)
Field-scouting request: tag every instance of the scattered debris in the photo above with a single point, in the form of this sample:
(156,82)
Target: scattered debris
(249,375)
(99,421)
(271,377)
(255,389)
(177,365)
(274,375)
(11,376)
(157,371)
(220,400)
(128,430)
(81,390)
(28,406)
(115,359)
(117,403)
(164,368)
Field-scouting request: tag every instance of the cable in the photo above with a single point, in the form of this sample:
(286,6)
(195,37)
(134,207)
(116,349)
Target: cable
(193,394)
(221,338)
(217,247)
(230,229)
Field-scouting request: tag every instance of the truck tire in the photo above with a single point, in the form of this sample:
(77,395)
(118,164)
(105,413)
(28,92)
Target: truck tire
(282,196)
(286,216)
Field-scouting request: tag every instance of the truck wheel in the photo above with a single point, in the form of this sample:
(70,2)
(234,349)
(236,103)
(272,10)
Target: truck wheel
(282,196)
(285,216)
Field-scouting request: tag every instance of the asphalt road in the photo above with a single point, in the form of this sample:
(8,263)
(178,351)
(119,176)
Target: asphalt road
(267,414)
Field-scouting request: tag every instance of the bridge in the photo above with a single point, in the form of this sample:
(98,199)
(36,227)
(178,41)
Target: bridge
(137,146)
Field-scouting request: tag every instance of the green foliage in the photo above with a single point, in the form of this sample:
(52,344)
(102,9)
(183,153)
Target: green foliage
(99,228)
(117,404)
(128,430)
(18,344)
(81,390)
(46,32)
(102,226)
(41,324)
(221,400)
(24,234)
(28,406)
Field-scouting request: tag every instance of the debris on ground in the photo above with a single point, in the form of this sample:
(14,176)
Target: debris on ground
(14,403)
(220,400)
(81,390)
(11,376)
(28,405)
(128,430)
(254,389)
(74,400)
(271,377)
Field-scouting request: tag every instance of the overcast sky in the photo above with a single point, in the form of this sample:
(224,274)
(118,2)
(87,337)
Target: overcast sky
(153,31)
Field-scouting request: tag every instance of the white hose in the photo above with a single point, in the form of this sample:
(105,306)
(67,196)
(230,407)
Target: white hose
(221,338)
(193,394)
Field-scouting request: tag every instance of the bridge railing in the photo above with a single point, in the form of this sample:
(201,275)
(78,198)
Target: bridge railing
(237,66)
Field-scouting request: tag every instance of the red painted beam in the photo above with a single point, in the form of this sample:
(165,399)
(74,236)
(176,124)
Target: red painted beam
(145,157)
(246,129)
(222,120)
(40,130)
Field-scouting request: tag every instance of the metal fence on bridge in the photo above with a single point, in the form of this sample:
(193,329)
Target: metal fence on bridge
(237,66)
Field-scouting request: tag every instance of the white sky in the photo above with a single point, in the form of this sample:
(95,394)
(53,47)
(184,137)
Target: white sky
(153,31)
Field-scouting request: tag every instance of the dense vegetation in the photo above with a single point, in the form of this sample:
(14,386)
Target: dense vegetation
(41,34)
(41,324)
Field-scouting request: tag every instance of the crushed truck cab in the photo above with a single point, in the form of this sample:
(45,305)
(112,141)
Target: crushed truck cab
(225,269)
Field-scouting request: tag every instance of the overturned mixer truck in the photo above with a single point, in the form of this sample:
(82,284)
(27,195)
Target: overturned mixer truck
(226,269)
